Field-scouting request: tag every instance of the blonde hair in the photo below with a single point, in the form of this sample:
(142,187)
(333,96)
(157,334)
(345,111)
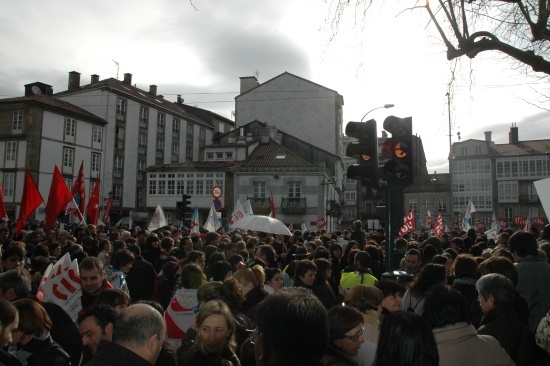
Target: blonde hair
(217,307)
(255,275)
(364,298)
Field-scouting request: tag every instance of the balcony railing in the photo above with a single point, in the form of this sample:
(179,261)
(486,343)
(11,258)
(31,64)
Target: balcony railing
(160,154)
(117,173)
(529,198)
(141,150)
(293,206)
(142,123)
(174,158)
(260,206)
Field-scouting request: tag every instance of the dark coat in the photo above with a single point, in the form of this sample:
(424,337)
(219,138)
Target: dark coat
(197,356)
(515,337)
(46,352)
(467,287)
(324,292)
(140,279)
(253,298)
(7,359)
(111,354)
(520,307)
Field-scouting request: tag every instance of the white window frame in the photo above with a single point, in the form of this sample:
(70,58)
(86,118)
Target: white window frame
(294,189)
(97,134)
(11,150)
(70,127)
(17,122)
(259,189)
(161,122)
(68,157)
(9,185)
(95,162)
(118,166)
(121,107)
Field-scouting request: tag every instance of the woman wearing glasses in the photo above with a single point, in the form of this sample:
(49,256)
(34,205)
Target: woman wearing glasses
(346,336)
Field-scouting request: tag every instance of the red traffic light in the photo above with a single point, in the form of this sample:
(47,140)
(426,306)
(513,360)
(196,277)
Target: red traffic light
(396,149)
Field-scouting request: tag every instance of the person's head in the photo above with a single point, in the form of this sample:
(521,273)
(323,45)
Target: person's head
(123,260)
(228,291)
(197,257)
(9,320)
(523,244)
(15,284)
(211,238)
(95,324)
(346,329)
(230,250)
(431,274)
(13,257)
(141,329)
(495,291)
(445,306)
(291,328)
(265,253)
(366,299)
(362,260)
(412,260)
(115,298)
(274,278)
(91,275)
(501,265)
(335,251)
(324,271)
(250,278)
(465,266)
(216,327)
(167,244)
(33,321)
(393,292)
(406,339)
(305,272)
(192,276)
(219,271)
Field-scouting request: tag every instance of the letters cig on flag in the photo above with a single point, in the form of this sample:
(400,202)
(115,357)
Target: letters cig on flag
(408,223)
(61,285)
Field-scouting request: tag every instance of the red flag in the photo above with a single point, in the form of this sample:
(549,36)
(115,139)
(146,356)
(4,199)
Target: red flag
(30,200)
(79,194)
(272,206)
(93,205)
(439,225)
(107,210)
(408,223)
(58,198)
(3,214)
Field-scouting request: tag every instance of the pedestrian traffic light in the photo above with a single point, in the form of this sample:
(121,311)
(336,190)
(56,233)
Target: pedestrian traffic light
(398,149)
(180,209)
(365,150)
(186,203)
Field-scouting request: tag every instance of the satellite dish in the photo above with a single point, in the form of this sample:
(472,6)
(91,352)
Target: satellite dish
(36,90)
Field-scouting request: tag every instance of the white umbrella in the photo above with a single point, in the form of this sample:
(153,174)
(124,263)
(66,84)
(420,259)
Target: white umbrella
(262,223)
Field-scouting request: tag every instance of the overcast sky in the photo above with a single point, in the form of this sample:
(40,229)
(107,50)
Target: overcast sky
(201,49)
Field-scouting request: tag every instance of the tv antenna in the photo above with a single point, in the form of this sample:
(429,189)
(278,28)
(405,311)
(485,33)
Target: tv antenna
(117,67)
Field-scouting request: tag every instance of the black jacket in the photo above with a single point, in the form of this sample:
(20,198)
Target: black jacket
(112,354)
(141,279)
(46,352)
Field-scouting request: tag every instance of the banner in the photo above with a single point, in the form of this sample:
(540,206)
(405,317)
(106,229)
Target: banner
(195,221)
(539,221)
(180,314)
(93,205)
(520,221)
(61,285)
(502,224)
(480,226)
(3,214)
(408,223)
(439,225)
(321,222)
(58,198)
(158,220)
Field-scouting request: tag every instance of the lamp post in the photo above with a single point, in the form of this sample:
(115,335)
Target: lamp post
(384,106)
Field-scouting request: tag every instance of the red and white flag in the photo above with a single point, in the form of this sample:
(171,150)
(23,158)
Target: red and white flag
(3,213)
(93,205)
(79,195)
(57,199)
(408,223)
(107,210)
(428,219)
(195,221)
(30,201)
(180,313)
(61,285)
(439,225)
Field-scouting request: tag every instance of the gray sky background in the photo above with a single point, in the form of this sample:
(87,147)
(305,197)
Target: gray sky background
(202,53)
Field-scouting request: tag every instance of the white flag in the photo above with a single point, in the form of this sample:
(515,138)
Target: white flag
(158,220)
(212,224)
(304,227)
(247,208)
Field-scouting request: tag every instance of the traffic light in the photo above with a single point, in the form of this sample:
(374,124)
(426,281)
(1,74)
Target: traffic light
(186,203)
(365,151)
(399,150)
(180,209)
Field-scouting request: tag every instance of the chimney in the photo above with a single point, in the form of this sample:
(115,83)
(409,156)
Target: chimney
(153,90)
(487,136)
(128,78)
(513,135)
(38,88)
(74,80)
(180,99)
(95,79)
(248,82)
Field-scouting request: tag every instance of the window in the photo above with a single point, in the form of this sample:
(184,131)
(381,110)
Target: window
(463,151)
(69,182)
(143,116)
(97,134)
(175,148)
(199,189)
(160,148)
(508,215)
(96,162)
(413,204)
(141,166)
(176,127)
(118,167)
(11,150)
(119,138)
(202,134)
(142,143)
(478,150)
(68,157)
(442,204)
(219,156)
(209,182)
(190,129)
(351,197)
(171,184)
(190,186)
(70,125)
(259,189)
(120,107)
(294,190)
(162,184)
(426,202)
(229,155)
(17,122)
(161,122)
(9,184)
(152,184)
(117,192)
(209,156)
(507,192)
(189,153)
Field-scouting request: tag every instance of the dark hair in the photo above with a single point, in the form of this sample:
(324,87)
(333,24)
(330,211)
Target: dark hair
(523,244)
(390,287)
(192,276)
(323,265)
(33,318)
(302,267)
(18,279)
(296,323)
(465,266)
(217,271)
(103,315)
(228,291)
(270,273)
(135,249)
(194,255)
(91,263)
(112,297)
(429,275)
(501,265)
(122,258)
(406,339)
(342,319)
(445,306)
(7,313)
(268,251)
(13,251)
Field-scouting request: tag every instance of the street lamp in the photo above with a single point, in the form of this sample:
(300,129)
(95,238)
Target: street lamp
(384,106)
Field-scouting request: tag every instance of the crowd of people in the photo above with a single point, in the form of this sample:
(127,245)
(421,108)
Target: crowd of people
(171,297)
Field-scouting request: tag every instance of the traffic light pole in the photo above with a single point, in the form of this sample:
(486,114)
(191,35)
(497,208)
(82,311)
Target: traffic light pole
(389,230)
